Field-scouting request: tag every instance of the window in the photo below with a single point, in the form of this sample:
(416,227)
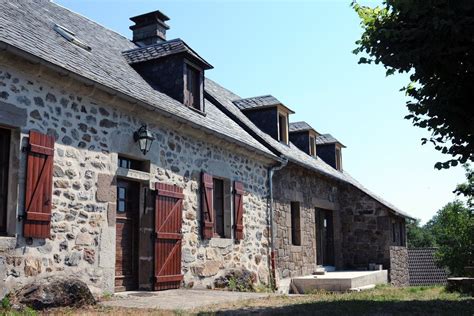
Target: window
(222,208)
(121,199)
(338,159)
(129,163)
(4,166)
(312,146)
(295,224)
(282,128)
(402,233)
(192,90)
(394,233)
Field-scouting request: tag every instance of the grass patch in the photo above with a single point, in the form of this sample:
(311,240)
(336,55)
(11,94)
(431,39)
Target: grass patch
(383,300)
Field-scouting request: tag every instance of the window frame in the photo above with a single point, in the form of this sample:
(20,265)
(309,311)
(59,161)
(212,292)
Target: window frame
(283,129)
(295,222)
(338,154)
(227,205)
(198,100)
(312,145)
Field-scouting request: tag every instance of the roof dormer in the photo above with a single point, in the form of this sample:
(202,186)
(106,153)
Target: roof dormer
(330,150)
(303,136)
(169,66)
(268,114)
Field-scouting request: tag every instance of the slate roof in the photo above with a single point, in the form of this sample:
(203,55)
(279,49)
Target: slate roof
(258,102)
(225,97)
(163,49)
(300,127)
(327,139)
(27,26)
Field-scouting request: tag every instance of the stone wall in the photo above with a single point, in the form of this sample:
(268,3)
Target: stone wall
(366,229)
(399,275)
(294,183)
(91,128)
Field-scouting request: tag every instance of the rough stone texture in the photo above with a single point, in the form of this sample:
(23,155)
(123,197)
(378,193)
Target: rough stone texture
(297,184)
(399,275)
(366,230)
(362,225)
(54,292)
(88,141)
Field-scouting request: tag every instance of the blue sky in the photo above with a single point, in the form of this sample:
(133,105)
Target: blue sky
(300,51)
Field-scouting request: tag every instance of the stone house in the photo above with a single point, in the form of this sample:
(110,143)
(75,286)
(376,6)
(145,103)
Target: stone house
(79,105)
(321,215)
(121,164)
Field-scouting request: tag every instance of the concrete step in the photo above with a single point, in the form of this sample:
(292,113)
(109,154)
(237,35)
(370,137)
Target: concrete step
(338,281)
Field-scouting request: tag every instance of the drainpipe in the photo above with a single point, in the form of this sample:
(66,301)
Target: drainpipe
(271,171)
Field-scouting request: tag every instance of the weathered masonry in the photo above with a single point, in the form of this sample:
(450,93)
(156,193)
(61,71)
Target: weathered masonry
(321,216)
(78,197)
(122,165)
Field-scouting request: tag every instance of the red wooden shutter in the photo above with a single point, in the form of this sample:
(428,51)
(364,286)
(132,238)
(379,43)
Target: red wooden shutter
(207,206)
(239,210)
(168,221)
(39,186)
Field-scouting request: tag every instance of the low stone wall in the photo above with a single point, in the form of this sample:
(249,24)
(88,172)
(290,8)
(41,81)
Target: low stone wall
(399,274)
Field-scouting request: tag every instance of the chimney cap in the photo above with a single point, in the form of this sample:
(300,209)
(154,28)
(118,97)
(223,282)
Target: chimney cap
(150,18)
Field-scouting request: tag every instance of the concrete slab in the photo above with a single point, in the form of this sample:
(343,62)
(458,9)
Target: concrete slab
(340,280)
(180,299)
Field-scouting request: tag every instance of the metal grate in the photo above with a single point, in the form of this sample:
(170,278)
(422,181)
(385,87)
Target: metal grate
(422,267)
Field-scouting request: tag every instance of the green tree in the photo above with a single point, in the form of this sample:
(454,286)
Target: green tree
(453,231)
(467,188)
(431,40)
(418,236)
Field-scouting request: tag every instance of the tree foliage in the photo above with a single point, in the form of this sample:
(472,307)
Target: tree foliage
(419,236)
(467,188)
(432,41)
(453,230)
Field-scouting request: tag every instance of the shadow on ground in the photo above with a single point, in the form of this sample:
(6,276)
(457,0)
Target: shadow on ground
(359,307)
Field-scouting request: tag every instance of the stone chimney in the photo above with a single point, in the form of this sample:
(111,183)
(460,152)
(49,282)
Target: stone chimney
(150,28)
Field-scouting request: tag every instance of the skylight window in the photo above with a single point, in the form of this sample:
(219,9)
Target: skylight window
(70,36)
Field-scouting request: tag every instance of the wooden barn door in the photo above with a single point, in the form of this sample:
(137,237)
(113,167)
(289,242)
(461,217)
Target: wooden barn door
(168,216)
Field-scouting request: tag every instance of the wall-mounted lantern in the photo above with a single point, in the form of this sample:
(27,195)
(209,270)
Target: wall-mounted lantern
(144,138)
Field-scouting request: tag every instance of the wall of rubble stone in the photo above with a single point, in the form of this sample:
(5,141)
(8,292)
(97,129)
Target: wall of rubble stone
(366,229)
(399,274)
(89,135)
(297,184)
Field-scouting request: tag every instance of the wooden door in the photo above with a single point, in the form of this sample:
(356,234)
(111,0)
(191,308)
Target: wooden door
(168,217)
(324,237)
(126,244)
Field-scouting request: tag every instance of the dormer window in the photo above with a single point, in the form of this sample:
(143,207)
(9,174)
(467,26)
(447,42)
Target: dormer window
(283,128)
(269,114)
(169,66)
(303,136)
(338,159)
(312,146)
(192,90)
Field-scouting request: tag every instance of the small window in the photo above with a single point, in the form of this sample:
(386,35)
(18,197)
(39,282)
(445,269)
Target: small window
(338,159)
(295,224)
(312,146)
(4,166)
(222,207)
(129,163)
(121,199)
(192,93)
(394,233)
(282,128)
(402,233)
